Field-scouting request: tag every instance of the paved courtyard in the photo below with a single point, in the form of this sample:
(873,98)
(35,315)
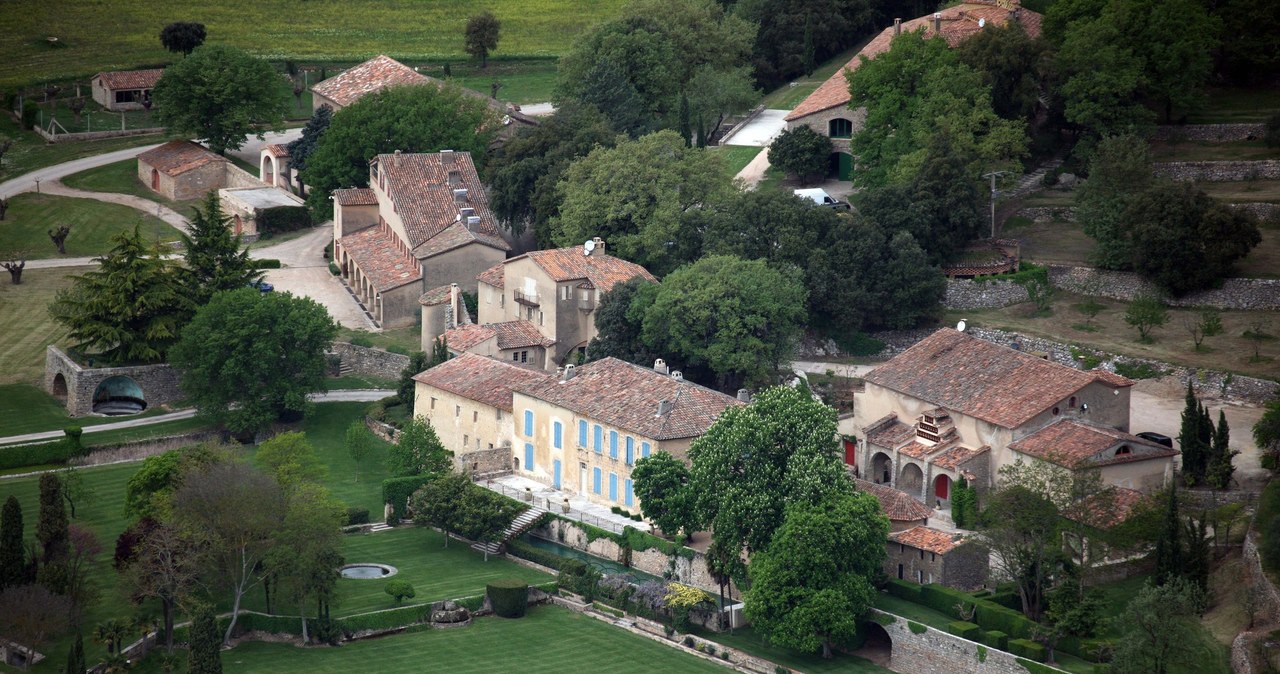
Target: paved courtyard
(305,272)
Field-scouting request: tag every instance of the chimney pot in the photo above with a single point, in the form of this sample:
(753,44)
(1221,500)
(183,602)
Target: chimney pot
(467,212)
(460,195)
(455,177)
(897,26)
(677,375)
(660,365)
(569,372)
(937,22)
(599,246)
(744,395)
(472,221)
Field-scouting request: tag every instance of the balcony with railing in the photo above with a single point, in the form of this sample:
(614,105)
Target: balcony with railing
(526,298)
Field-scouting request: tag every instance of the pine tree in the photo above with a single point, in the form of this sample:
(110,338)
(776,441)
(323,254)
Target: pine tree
(75,659)
(1193,451)
(13,561)
(301,149)
(1169,545)
(214,257)
(1221,465)
(205,656)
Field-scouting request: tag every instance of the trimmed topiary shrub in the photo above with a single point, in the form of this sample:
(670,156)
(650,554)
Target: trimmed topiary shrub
(965,630)
(996,617)
(34,455)
(266,263)
(397,490)
(1029,649)
(997,640)
(357,516)
(400,590)
(944,599)
(509,597)
(903,589)
(1009,600)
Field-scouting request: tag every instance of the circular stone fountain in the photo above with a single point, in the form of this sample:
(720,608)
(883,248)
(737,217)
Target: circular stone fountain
(367,571)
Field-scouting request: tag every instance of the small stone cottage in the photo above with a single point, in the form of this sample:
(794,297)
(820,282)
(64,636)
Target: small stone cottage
(124,89)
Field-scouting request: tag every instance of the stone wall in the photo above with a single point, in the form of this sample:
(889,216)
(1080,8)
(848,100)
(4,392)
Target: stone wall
(1235,293)
(1214,133)
(936,652)
(234,177)
(1048,213)
(1218,171)
(95,135)
(370,362)
(652,561)
(159,383)
(1260,210)
(977,294)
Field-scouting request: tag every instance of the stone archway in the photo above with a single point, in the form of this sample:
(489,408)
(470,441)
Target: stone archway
(877,646)
(59,390)
(119,395)
(911,479)
(881,468)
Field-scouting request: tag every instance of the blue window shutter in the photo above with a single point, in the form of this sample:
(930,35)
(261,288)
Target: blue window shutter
(613,486)
(528,423)
(644,450)
(631,450)
(595,480)
(558,432)
(626,492)
(582,434)
(556,473)
(528,456)
(597,434)
(613,444)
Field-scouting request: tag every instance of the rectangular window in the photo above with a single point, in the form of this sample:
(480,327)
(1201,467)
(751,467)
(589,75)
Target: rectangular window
(515,356)
(524,356)
(644,450)
(457,410)
(475,416)
(631,450)
(557,432)
(528,423)
(613,444)
(528,456)
(627,497)
(595,480)
(613,486)
(466,440)
(597,438)
(433,402)
(582,434)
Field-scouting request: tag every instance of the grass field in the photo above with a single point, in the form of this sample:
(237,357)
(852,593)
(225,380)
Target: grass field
(28,409)
(531,81)
(94,36)
(748,640)
(121,177)
(25,309)
(1200,150)
(31,152)
(788,96)
(406,339)
(93,223)
(1238,105)
(735,157)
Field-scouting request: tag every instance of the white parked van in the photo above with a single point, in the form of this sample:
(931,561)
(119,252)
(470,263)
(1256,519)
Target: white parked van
(820,197)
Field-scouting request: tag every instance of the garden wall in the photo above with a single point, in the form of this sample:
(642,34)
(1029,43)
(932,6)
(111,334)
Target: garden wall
(76,385)
(1235,293)
(974,294)
(1214,133)
(1218,171)
(369,362)
(920,649)
(691,572)
(94,135)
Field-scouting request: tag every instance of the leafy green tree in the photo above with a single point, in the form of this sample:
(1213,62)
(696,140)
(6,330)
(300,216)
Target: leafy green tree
(409,119)
(735,319)
(439,352)
(165,566)
(802,152)
(647,198)
(215,260)
(483,31)
(809,587)
(1221,457)
(620,322)
(1023,535)
(439,503)
(406,388)
(1119,170)
(713,94)
(1160,627)
(291,460)
(300,149)
(205,654)
(1195,454)
(795,35)
(1012,63)
(1101,78)
(757,459)
(249,357)
(1073,610)
(1253,27)
(182,36)
(13,557)
(418,451)
(1266,434)
(662,485)
(1175,39)
(220,95)
(606,87)
(307,548)
(129,309)
(1146,312)
(399,590)
(522,174)
(1169,552)
(1183,240)
(149,487)
(359,443)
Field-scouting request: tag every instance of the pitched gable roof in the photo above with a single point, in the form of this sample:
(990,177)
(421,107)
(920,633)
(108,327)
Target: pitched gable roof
(130,79)
(419,188)
(492,276)
(927,539)
(485,380)
(179,156)
(376,74)
(1075,444)
(897,505)
(380,259)
(602,271)
(520,333)
(958,23)
(981,379)
(626,396)
(468,336)
(355,196)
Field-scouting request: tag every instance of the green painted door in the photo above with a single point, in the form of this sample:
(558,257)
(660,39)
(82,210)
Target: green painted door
(844,170)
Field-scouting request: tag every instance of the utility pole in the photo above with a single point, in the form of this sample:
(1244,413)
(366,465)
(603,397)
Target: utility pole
(993,175)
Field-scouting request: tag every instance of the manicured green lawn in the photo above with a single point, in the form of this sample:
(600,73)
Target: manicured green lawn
(523,82)
(121,177)
(736,157)
(407,340)
(912,611)
(31,152)
(1238,105)
(355,484)
(94,36)
(748,640)
(25,310)
(93,223)
(28,409)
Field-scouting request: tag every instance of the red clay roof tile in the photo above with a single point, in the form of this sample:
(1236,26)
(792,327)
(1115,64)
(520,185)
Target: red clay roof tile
(897,505)
(601,270)
(1074,444)
(466,337)
(419,188)
(130,79)
(380,259)
(484,380)
(492,276)
(179,156)
(520,333)
(376,74)
(355,196)
(927,539)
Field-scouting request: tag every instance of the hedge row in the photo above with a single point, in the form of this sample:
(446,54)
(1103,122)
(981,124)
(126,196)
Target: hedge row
(965,630)
(281,219)
(385,620)
(397,490)
(22,456)
(996,639)
(509,597)
(1029,649)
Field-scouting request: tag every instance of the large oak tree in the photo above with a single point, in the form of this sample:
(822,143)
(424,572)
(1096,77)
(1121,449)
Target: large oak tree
(220,95)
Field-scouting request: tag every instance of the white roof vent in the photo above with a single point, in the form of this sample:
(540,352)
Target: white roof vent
(677,375)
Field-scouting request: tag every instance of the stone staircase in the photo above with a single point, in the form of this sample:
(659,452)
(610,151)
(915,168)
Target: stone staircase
(522,523)
(1034,181)
(381,526)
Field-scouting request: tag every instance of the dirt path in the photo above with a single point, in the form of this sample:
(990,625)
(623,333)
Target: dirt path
(137,203)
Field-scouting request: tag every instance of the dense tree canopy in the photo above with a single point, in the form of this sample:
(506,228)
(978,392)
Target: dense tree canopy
(249,357)
(418,451)
(1012,63)
(796,36)
(215,259)
(220,95)
(301,148)
(409,119)
(662,485)
(1160,629)
(802,152)
(182,36)
(1022,531)
(620,323)
(1119,170)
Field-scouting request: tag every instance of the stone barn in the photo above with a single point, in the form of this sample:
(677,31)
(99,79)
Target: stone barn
(181,170)
(124,89)
(926,555)
(108,391)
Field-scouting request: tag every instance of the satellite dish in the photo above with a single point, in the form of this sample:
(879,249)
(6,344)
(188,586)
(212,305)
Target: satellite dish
(982,23)
(588,247)
(960,326)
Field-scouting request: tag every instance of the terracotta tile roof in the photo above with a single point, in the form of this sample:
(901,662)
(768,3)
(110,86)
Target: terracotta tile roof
(917,450)
(889,432)
(492,276)
(957,456)
(130,79)
(601,270)
(958,23)
(373,75)
(435,296)
(380,259)
(897,505)
(927,539)
(485,380)
(1112,378)
(981,379)
(356,196)
(1105,509)
(277,150)
(466,337)
(179,156)
(1074,444)
(626,396)
(419,189)
(516,334)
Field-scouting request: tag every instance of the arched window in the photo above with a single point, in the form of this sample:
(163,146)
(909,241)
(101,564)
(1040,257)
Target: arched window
(1124,449)
(1072,402)
(840,128)
(1056,411)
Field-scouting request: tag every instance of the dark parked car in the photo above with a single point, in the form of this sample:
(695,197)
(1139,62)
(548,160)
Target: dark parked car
(1157,438)
(262,286)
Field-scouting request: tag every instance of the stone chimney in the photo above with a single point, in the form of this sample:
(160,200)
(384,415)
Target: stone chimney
(460,195)
(664,407)
(455,177)
(897,27)
(677,375)
(455,301)
(660,366)
(472,221)
(937,22)
(396,159)
(569,371)
(446,157)
(599,246)
(744,395)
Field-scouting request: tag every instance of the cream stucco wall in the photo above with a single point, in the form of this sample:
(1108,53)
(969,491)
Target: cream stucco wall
(460,265)
(557,315)
(463,425)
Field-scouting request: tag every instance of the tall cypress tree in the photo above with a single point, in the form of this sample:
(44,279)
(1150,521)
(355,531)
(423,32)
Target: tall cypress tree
(1221,466)
(205,656)
(1193,451)
(1169,545)
(13,560)
(1196,560)
(75,659)
(52,533)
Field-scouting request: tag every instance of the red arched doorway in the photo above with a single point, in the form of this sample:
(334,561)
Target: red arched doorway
(942,489)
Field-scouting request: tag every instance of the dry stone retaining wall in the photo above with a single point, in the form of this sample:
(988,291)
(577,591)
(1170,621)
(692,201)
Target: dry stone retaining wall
(977,294)
(1218,171)
(1235,293)
(370,362)
(1214,133)
(933,651)
(691,572)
